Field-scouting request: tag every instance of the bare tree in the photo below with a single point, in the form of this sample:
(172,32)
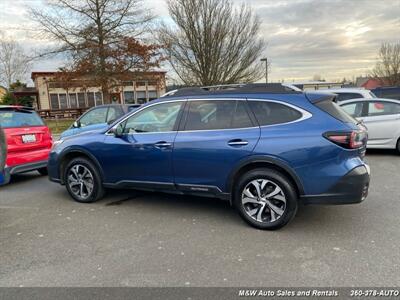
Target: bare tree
(212,42)
(387,68)
(14,63)
(100,38)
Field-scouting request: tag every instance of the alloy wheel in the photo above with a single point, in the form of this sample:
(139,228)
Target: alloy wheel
(80,181)
(263,200)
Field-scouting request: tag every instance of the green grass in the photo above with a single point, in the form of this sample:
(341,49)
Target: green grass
(58,126)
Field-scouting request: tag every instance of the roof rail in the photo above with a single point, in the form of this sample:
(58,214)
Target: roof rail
(273,88)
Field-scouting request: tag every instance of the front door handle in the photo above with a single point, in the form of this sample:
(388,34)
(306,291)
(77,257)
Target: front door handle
(162,145)
(237,142)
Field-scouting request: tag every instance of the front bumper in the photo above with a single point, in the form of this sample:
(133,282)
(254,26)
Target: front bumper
(351,188)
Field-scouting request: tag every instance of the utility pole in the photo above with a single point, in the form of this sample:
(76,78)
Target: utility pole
(266,68)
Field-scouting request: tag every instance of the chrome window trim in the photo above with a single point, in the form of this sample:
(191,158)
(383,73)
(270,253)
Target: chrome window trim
(305,115)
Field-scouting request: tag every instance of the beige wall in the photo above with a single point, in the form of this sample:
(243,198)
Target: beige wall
(3,91)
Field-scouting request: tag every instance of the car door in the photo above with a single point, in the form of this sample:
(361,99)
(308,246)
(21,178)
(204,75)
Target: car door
(382,120)
(142,155)
(214,136)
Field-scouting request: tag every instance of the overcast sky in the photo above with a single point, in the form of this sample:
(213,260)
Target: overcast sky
(331,38)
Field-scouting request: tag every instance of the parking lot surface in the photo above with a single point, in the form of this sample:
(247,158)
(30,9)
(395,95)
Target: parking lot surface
(144,239)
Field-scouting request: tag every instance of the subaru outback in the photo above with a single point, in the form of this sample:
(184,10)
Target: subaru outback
(264,148)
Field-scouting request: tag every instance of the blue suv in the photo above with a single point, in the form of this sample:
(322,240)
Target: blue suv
(264,148)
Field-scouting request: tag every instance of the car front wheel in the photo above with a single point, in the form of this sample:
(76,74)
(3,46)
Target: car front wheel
(83,180)
(265,199)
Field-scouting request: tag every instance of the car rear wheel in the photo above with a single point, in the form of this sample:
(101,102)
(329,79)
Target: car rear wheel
(83,181)
(398,146)
(265,199)
(43,171)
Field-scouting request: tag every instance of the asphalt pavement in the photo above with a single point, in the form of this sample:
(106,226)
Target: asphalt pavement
(146,239)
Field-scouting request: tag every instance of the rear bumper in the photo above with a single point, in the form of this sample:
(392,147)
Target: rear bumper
(351,188)
(26,167)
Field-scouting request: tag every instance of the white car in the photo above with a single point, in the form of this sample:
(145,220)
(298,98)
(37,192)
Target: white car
(381,117)
(349,93)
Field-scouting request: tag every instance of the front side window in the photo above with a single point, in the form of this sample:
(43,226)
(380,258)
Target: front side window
(354,109)
(158,118)
(95,116)
(114,112)
(270,113)
(217,114)
(380,108)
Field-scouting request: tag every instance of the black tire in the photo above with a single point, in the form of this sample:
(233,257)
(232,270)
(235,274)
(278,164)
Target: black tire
(97,191)
(43,171)
(398,146)
(275,179)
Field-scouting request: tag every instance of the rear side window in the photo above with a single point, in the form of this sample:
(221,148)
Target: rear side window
(381,108)
(335,111)
(217,114)
(270,113)
(347,96)
(19,118)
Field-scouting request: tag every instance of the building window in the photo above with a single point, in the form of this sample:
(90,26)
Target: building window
(72,101)
(127,83)
(63,101)
(141,97)
(99,98)
(129,97)
(152,83)
(90,99)
(54,101)
(152,95)
(81,100)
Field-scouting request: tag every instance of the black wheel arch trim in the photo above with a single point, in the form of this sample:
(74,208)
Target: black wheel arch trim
(84,152)
(264,159)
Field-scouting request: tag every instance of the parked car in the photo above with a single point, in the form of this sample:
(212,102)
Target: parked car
(350,93)
(28,141)
(387,92)
(98,117)
(264,148)
(381,117)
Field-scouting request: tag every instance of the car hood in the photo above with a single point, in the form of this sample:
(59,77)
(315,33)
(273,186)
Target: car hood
(85,133)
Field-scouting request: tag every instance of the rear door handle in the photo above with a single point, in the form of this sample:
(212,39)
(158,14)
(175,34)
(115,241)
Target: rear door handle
(238,142)
(162,145)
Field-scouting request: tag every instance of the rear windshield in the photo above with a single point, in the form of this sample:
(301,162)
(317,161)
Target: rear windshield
(335,111)
(19,118)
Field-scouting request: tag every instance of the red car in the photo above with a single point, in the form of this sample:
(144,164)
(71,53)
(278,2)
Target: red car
(29,141)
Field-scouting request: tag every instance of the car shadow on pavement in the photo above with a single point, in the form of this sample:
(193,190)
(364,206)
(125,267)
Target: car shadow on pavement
(308,217)
(388,152)
(23,178)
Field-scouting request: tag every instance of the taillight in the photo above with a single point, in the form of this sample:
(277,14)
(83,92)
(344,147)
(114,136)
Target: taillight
(350,140)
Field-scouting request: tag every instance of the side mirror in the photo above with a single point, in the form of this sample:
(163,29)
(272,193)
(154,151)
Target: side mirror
(118,130)
(76,124)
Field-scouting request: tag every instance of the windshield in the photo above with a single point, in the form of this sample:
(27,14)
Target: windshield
(19,118)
